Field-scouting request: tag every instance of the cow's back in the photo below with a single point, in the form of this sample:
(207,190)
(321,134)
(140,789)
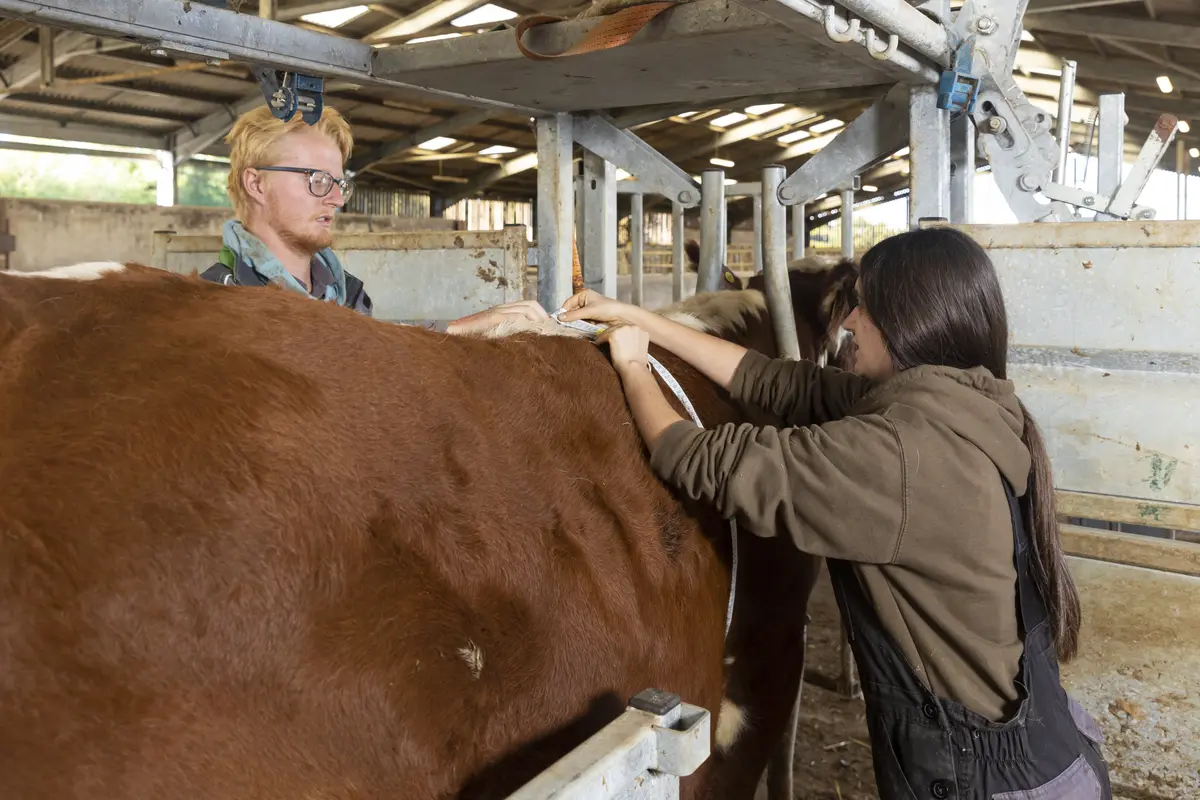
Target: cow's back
(257,545)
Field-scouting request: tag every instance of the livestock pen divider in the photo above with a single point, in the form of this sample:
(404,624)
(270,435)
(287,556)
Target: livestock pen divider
(421,276)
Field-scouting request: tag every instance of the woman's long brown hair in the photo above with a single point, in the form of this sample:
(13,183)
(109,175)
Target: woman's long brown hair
(935,296)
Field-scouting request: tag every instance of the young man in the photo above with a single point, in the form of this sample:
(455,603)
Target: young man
(286,182)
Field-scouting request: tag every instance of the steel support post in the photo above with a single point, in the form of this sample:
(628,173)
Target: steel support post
(775,264)
(1187,162)
(555,209)
(637,236)
(677,256)
(1066,99)
(712,230)
(598,250)
(929,142)
(962,170)
(798,231)
(580,221)
(1180,179)
(848,223)
(46,36)
(167,179)
(759,231)
(1110,144)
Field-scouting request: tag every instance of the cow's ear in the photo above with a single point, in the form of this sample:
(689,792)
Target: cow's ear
(730,278)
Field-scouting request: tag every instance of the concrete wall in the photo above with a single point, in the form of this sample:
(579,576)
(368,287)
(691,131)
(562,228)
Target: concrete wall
(52,233)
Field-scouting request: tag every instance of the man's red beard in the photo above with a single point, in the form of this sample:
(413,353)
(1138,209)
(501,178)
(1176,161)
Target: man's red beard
(309,244)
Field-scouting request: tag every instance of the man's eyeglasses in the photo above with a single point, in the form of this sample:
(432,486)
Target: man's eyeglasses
(320,182)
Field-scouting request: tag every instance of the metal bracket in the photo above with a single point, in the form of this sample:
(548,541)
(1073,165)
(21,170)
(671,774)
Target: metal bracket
(1014,134)
(958,87)
(1074,196)
(597,134)
(1156,146)
(1015,138)
(1121,203)
(291,93)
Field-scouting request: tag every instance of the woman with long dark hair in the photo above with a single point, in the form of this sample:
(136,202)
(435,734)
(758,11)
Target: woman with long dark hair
(925,483)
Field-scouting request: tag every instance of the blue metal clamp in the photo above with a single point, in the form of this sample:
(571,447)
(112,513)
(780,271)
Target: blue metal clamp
(958,88)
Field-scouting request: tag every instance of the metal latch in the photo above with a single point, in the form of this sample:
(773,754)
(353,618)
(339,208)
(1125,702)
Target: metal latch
(291,93)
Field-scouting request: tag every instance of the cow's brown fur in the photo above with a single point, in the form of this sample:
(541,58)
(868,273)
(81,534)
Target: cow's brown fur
(823,295)
(254,545)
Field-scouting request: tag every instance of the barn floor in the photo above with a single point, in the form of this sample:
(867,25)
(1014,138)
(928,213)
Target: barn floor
(1138,674)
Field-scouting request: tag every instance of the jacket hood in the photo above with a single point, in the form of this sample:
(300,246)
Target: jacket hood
(981,408)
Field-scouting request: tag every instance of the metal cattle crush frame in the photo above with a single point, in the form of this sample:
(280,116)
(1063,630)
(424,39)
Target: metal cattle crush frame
(952,89)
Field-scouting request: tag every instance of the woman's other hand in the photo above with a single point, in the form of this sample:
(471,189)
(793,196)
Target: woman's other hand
(593,306)
(629,348)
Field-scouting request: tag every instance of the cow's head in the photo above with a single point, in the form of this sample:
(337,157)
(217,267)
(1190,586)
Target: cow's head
(823,295)
(729,281)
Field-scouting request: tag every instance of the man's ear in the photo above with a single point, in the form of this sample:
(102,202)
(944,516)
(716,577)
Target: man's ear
(253,182)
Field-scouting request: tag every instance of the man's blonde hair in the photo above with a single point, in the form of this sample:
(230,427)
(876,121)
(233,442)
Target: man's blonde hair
(255,136)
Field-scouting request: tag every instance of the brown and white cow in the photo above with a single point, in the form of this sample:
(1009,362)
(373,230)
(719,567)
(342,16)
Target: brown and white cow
(254,545)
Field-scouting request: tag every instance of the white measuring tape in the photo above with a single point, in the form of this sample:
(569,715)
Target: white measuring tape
(592,331)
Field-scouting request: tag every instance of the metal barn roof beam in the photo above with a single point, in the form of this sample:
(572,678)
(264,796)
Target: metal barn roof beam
(871,138)
(746,131)
(79,132)
(1170,34)
(1112,70)
(193,138)
(424,18)
(1079,5)
(199,31)
(817,100)
(514,166)
(446,127)
(28,70)
(296,12)
(13,31)
(1162,62)
(1049,87)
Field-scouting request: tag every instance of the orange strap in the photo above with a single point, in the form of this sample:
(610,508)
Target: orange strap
(614,30)
(576,269)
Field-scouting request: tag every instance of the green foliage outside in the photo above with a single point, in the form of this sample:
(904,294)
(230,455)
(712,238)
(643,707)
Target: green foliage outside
(201,183)
(59,176)
(62,176)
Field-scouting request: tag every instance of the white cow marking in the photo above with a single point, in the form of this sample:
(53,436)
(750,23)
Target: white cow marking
(89,271)
(731,721)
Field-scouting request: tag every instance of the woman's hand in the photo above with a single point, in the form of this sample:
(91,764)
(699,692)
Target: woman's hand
(591,305)
(628,346)
(489,318)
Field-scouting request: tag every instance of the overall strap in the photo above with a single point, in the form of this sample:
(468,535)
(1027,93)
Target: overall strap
(1031,608)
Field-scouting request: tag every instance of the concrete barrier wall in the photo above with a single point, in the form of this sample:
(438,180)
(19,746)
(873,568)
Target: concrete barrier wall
(52,233)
